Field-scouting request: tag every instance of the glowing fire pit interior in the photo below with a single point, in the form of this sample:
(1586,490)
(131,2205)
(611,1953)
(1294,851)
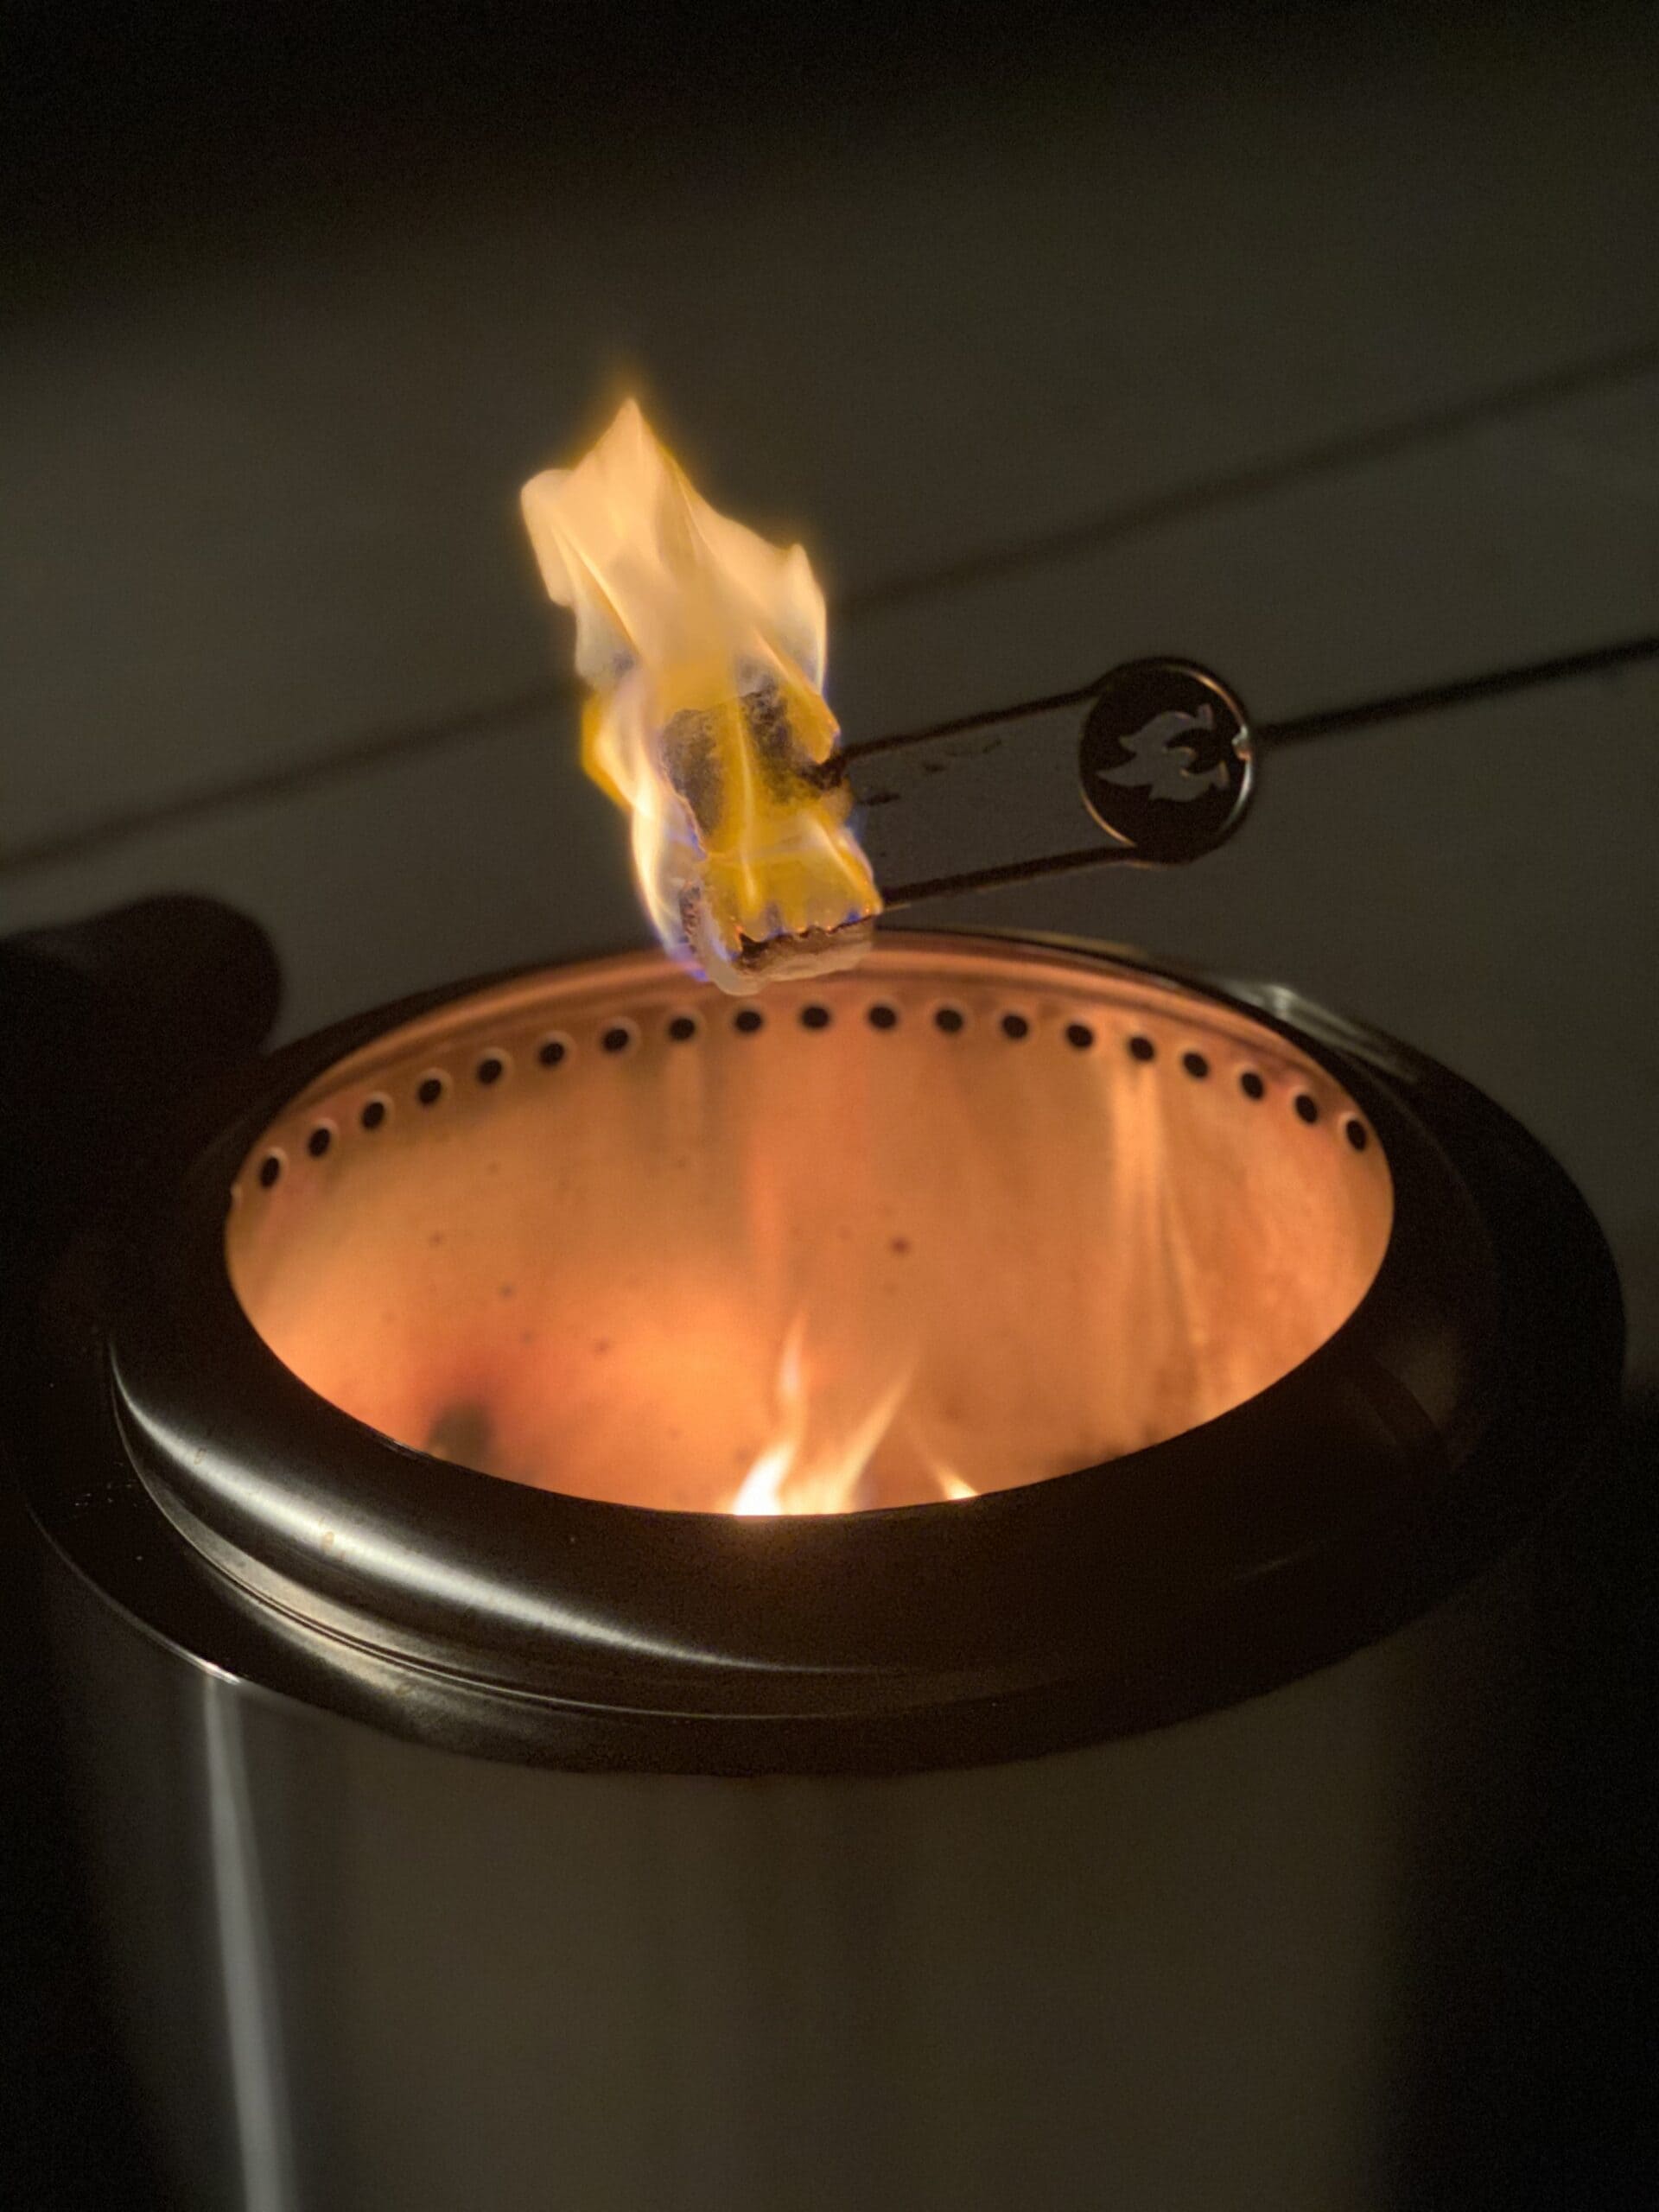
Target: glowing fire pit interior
(973,1216)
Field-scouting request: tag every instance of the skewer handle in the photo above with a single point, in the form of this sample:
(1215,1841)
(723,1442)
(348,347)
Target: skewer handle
(1166,768)
(1166,755)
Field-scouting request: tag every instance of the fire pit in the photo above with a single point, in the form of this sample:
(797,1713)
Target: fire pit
(771,1477)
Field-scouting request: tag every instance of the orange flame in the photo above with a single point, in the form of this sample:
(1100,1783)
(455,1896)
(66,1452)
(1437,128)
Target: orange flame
(828,1431)
(704,649)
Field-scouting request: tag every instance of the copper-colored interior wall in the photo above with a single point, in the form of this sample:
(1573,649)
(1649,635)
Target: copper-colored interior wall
(1042,1248)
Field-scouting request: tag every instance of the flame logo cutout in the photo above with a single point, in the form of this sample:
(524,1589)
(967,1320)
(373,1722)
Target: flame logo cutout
(1161,767)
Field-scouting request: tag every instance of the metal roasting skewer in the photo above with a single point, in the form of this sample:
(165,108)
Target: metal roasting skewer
(1166,755)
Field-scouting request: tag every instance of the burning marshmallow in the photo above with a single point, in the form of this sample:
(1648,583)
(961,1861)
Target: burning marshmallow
(703,648)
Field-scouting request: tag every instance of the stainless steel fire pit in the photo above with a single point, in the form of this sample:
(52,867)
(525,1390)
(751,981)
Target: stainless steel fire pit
(490,1816)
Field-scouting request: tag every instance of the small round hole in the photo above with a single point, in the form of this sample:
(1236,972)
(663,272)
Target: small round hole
(270,1168)
(1195,1065)
(320,1140)
(747,1019)
(815,1016)
(490,1068)
(1356,1134)
(1307,1107)
(1142,1048)
(1014,1027)
(883,1016)
(431,1089)
(950,1019)
(551,1051)
(682,1028)
(617,1038)
(1079,1036)
(1252,1085)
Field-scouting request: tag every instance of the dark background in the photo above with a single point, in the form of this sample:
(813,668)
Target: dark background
(1322,346)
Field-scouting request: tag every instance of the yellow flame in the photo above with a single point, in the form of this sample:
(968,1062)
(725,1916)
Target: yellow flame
(819,1458)
(951,1486)
(704,649)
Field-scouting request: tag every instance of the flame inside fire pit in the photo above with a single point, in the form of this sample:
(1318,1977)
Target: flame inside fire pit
(977,1215)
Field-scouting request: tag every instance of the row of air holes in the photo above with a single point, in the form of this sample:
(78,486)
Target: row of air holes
(681,1028)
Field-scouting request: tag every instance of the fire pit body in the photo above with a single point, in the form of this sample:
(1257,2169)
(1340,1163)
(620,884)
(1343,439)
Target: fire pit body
(491,1805)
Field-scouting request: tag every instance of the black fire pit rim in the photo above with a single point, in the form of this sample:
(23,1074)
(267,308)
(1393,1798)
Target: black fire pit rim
(1053,1660)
